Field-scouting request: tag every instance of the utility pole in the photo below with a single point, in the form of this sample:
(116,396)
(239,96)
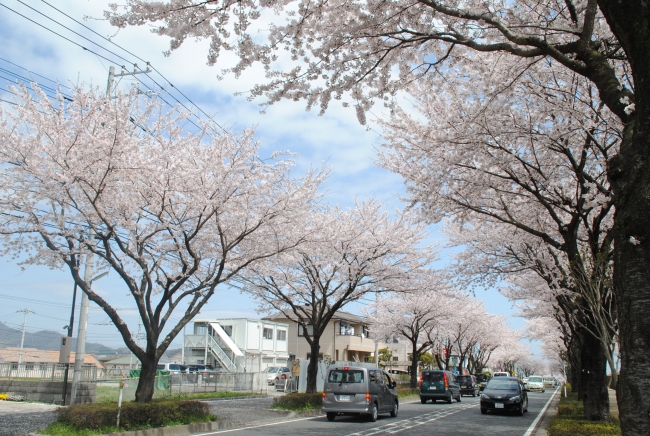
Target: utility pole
(90,261)
(70,327)
(22,338)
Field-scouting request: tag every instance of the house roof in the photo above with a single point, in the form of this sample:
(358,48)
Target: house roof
(339,315)
(34,355)
(123,360)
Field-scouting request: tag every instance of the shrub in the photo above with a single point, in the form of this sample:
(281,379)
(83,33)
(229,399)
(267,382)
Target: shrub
(570,421)
(134,415)
(298,401)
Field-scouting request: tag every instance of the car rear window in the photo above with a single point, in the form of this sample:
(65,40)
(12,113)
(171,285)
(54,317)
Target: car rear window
(433,377)
(481,377)
(464,379)
(535,380)
(345,376)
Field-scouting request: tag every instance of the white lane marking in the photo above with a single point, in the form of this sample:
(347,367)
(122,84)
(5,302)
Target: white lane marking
(405,424)
(539,416)
(260,425)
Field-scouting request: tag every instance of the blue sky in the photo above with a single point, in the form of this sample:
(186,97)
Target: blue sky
(335,139)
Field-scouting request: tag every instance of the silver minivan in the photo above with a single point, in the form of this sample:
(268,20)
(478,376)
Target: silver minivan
(351,390)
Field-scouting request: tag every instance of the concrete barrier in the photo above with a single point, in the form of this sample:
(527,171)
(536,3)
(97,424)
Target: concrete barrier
(47,391)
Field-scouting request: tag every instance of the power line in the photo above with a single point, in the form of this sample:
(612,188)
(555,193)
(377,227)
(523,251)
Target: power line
(31,72)
(139,58)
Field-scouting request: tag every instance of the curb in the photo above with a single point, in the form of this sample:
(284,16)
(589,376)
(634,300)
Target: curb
(203,427)
(550,412)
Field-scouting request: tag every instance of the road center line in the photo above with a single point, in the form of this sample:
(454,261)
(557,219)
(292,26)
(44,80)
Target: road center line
(539,416)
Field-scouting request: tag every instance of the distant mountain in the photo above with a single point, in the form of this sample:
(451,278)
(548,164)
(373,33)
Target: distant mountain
(50,340)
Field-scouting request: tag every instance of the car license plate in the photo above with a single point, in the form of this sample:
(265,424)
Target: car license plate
(465,387)
(345,397)
(498,405)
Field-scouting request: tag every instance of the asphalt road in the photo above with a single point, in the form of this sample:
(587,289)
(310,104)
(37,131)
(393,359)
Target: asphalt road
(414,418)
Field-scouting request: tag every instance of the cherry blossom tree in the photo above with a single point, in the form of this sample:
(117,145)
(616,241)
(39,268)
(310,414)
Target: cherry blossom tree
(530,177)
(414,317)
(348,254)
(172,214)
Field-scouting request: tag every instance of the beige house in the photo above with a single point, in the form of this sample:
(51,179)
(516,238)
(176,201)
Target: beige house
(346,338)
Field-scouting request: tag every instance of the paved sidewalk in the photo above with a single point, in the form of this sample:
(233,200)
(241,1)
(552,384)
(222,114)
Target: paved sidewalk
(550,412)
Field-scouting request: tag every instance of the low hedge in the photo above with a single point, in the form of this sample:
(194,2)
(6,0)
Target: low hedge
(298,401)
(134,415)
(570,421)
(407,392)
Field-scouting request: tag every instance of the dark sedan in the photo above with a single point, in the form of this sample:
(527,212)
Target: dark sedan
(505,393)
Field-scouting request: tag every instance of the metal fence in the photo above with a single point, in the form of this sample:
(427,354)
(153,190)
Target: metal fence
(178,384)
(46,371)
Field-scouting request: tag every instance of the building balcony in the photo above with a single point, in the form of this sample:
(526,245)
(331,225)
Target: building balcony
(355,342)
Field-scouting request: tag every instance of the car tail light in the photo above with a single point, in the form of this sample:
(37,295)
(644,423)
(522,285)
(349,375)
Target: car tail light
(420,381)
(446,381)
(345,368)
(323,394)
(367,398)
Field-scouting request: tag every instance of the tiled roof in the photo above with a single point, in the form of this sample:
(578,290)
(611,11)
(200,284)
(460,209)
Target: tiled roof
(34,355)
(339,315)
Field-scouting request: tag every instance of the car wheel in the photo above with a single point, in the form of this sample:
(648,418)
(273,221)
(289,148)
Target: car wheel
(520,411)
(483,411)
(374,413)
(423,400)
(395,410)
(451,398)
(331,416)
(458,399)
(543,390)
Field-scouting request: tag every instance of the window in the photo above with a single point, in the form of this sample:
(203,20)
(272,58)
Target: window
(227,329)
(282,335)
(200,329)
(310,330)
(14,366)
(268,333)
(343,328)
(395,359)
(29,367)
(350,376)
(376,377)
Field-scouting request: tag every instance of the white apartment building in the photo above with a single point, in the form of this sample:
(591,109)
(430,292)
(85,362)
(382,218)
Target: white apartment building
(238,344)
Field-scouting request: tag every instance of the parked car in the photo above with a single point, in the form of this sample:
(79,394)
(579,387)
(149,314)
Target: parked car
(356,390)
(173,368)
(482,380)
(281,376)
(536,383)
(438,385)
(550,382)
(505,393)
(270,374)
(468,385)
(200,368)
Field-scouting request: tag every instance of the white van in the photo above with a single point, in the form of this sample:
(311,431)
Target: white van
(173,368)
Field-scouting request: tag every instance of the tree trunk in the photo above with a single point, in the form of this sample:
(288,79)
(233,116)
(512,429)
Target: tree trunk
(312,368)
(414,365)
(144,391)
(594,379)
(629,176)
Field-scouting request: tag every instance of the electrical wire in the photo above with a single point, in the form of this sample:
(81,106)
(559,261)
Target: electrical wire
(139,58)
